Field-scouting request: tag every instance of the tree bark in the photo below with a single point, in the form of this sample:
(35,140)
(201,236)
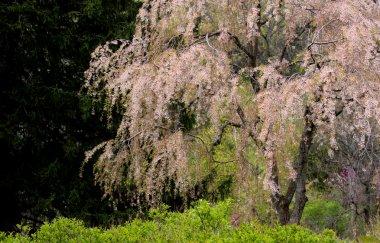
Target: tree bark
(283,211)
(300,167)
(366,209)
(296,187)
(279,201)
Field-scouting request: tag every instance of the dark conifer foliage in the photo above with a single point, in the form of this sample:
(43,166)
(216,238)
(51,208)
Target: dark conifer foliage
(45,125)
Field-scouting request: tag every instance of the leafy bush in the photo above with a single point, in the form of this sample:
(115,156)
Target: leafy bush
(320,215)
(203,223)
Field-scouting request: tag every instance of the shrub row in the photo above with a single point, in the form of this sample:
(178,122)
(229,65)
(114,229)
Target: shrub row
(203,223)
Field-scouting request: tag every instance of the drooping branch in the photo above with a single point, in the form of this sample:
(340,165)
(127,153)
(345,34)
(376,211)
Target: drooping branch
(219,135)
(205,39)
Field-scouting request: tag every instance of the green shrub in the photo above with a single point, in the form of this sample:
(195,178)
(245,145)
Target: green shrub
(66,230)
(320,215)
(203,223)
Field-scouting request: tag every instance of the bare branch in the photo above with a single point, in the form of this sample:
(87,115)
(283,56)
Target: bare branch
(208,43)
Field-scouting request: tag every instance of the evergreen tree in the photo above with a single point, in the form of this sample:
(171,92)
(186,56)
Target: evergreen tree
(45,125)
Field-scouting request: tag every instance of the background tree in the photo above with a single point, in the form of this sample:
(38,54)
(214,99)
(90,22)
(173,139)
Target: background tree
(44,125)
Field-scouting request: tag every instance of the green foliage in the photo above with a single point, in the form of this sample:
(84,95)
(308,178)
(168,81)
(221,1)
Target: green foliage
(368,239)
(320,168)
(203,223)
(66,230)
(320,215)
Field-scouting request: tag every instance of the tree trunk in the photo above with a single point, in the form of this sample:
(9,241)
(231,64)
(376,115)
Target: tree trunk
(300,168)
(296,187)
(283,211)
(353,220)
(280,202)
(366,209)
